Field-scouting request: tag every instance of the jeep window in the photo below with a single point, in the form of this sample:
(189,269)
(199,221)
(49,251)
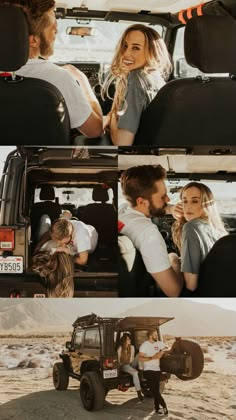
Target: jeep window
(78,339)
(92,339)
(76,196)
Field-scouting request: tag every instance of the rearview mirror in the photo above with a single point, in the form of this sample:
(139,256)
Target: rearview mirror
(81,31)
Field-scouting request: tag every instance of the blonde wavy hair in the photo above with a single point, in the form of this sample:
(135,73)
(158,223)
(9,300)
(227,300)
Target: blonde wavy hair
(157,58)
(210,213)
(57,270)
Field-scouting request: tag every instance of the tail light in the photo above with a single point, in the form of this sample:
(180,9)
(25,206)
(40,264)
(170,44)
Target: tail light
(109,363)
(7,239)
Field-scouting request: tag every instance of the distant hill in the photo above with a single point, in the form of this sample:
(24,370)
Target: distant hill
(192,318)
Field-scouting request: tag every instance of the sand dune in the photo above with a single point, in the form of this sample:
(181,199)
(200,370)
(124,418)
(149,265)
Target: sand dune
(28,393)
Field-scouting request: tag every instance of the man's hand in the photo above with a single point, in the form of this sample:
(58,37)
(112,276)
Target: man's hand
(176,210)
(158,355)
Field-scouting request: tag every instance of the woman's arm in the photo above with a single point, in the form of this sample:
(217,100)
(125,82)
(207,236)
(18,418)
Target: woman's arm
(119,136)
(191,281)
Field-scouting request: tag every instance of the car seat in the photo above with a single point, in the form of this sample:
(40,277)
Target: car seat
(197,110)
(102,215)
(46,207)
(32,111)
(218,272)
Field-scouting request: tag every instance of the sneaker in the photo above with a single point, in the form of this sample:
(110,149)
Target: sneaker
(159,412)
(162,411)
(165,411)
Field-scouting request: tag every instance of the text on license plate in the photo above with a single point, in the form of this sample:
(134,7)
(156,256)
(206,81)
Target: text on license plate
(11,265)
(110,373)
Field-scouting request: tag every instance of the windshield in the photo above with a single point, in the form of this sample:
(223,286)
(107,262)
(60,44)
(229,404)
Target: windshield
(98,47)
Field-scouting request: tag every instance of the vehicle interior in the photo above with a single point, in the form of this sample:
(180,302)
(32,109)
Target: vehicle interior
(54,180)
(218,172)
(202,81)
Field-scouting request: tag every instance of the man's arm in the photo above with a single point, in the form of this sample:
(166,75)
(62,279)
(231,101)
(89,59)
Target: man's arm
(143,358)
(81,258)
(92,127)
(169,282)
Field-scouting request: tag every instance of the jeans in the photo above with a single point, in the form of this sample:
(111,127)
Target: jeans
(153,381)
(130,368)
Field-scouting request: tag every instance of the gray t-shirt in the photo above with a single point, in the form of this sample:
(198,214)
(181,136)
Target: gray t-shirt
(141,90)
(198,238)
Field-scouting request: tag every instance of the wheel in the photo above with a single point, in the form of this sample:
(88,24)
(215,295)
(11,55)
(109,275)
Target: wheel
(92,391)
(193,349)
(60,377)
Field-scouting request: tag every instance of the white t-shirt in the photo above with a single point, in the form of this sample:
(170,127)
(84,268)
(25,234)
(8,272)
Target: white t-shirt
(149,349)
(78,107)
(84,237)
(146,238)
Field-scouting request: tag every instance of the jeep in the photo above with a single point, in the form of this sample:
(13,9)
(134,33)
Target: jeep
(81,180)
(91,357)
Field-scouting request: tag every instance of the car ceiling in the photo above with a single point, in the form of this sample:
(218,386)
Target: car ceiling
(155,6)
(182,164)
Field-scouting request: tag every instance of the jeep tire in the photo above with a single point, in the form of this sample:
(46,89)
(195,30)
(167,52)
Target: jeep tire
(92,391)
(193,349)
(60,377)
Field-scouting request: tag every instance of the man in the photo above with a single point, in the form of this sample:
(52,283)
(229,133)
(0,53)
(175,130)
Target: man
(145,190)
(84,110)
(150,353)
(70,236)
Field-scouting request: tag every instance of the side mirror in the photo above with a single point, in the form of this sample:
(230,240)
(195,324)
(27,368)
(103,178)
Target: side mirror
(68,345)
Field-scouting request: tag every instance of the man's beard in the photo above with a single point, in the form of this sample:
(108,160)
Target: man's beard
(155,212)
(46,49)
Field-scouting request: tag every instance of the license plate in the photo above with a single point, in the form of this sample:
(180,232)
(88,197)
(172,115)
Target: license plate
(110,373)
(11,265)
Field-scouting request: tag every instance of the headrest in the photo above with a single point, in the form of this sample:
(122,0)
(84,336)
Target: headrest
(14,36)
(210,44)
(47,193)
(100,194)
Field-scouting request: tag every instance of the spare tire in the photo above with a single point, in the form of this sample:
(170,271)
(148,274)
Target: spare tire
(193,349)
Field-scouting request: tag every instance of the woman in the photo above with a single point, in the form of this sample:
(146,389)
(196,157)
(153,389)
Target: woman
(128,362)
(138,69)
(57,269)
(197,231)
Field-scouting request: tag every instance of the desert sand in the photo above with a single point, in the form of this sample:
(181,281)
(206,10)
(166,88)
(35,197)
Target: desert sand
(27,392)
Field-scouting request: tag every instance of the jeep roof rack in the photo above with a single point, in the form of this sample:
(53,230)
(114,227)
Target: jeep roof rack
(88,320)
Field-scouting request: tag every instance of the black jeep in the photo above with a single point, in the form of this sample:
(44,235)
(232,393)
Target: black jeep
(91,357)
